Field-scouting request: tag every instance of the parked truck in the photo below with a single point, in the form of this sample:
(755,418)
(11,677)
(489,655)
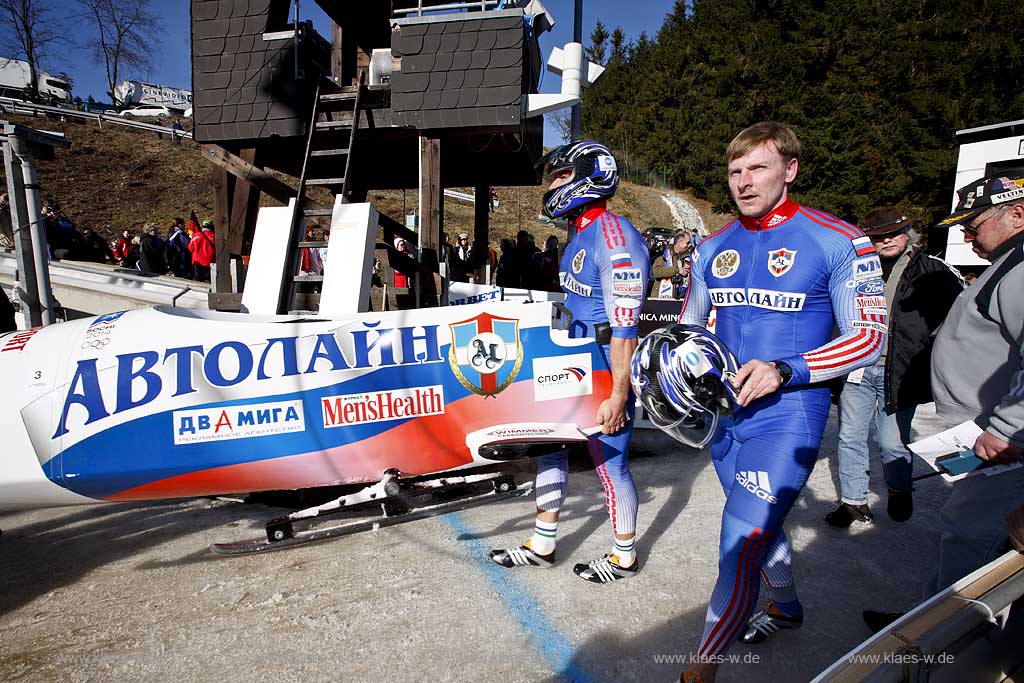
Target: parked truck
(15,81)
(133,93)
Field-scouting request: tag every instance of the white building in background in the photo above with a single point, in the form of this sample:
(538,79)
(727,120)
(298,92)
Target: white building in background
(983,151)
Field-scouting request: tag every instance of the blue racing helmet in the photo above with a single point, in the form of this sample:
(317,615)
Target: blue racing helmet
(683,376)
(594,176)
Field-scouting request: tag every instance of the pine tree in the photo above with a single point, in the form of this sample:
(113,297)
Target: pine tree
(598,38)
(875,91)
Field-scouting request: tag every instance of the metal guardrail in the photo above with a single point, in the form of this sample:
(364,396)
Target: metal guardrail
(101,288)
(16,106)
(419,9)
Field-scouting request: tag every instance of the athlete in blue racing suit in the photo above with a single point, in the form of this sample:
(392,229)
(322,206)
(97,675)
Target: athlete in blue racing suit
(604,272)
(780,278)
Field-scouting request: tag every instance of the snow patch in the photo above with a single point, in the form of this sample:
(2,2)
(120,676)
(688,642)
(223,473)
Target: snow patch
(684,215)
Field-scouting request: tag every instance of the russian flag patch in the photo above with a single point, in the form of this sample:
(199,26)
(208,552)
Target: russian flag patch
(622,261)
(862,245)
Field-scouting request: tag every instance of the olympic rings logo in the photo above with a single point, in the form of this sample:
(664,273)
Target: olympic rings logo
(95,343)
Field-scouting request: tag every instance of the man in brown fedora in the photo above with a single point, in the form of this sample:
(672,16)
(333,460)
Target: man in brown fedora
(919,291)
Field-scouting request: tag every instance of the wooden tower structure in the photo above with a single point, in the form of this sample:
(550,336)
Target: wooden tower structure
(399,98)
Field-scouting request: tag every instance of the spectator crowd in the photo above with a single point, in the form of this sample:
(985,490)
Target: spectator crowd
(182,250)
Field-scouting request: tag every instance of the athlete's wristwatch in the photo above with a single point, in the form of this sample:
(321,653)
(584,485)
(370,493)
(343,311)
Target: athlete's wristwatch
(785,371)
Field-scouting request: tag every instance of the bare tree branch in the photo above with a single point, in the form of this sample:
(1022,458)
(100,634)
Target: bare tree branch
(562,120)
(126,33)
(30,29)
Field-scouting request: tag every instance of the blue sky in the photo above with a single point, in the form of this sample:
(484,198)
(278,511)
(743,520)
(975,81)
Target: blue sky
(172,65)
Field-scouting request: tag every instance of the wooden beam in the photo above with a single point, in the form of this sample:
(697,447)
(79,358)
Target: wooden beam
(431,215)
(431,193)
(257,177)
(244,198)
(362,65)
(336,73)
(481,231)
(222,182)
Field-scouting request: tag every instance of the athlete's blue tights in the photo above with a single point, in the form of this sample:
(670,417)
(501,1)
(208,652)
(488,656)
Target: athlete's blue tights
(762,476)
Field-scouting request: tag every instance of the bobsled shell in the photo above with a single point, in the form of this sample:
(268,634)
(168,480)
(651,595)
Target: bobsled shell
(161,403)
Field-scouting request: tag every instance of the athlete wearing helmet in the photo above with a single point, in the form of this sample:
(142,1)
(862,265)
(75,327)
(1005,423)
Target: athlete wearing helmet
(781,277)
(604,273)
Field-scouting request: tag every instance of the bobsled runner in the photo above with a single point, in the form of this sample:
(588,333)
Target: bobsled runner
(165,403)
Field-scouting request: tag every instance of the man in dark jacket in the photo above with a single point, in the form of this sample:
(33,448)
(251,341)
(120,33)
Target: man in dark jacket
(151,252)
(95,248)
(179,258)
(919,291)
(459,256)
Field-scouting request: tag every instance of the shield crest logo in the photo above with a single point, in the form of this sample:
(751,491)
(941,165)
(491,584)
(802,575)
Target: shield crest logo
(485,353)
(780,261)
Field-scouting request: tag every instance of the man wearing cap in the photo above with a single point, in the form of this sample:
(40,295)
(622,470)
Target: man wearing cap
(978,373)
(918,292)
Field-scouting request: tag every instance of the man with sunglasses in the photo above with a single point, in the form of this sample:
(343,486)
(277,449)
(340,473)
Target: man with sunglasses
(978,375)
(919,290)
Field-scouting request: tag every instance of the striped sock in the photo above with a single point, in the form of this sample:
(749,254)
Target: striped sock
(625,550)
(543,540)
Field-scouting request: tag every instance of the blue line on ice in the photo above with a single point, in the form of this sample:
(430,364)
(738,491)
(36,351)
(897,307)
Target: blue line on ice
(555,647)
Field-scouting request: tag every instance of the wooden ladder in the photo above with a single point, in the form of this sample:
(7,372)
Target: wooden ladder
(328,140)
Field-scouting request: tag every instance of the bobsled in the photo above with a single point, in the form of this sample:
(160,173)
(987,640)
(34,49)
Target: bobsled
(166,403)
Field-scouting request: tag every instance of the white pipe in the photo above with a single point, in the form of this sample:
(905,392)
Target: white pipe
(572,68)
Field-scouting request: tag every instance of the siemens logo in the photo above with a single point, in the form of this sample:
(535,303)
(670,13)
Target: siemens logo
(759,298)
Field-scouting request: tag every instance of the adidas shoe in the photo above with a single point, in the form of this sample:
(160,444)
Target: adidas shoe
(768,621)
(606,570)
(523,556)
(845,515)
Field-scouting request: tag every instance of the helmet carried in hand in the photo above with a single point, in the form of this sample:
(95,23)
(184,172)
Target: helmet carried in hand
(683,376)
(595,176)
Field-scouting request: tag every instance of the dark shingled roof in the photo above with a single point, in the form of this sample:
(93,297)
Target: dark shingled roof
(458,73)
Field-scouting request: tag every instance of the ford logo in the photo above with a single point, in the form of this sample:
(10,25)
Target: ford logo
(872,287)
